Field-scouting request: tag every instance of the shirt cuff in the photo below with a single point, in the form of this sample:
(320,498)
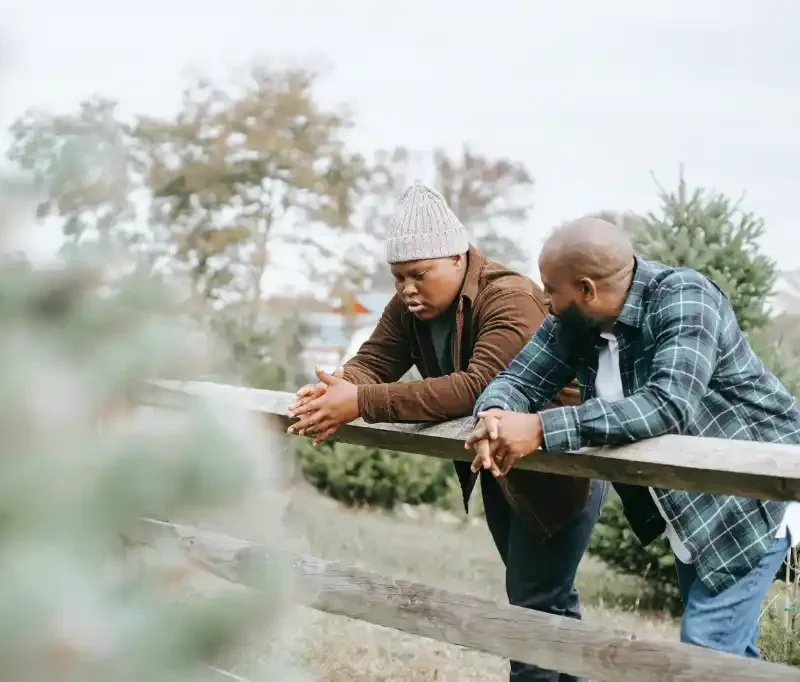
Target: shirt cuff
(561,429)
(374,404)
(492,404)
(492,400)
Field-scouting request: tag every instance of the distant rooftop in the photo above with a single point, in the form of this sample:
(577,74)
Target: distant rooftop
(329,327)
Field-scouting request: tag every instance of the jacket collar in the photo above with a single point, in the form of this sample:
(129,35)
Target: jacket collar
(475,262)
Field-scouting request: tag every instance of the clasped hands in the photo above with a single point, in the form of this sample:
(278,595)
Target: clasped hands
(501,437)
(323,407)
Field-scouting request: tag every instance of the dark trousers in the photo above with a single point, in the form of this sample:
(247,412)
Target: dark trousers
(540,575)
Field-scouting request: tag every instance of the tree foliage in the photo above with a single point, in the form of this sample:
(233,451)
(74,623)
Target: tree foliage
(239,169)
(248,178)
(85,170)
(709,232)
(212,196)
(491,197)
(80,467)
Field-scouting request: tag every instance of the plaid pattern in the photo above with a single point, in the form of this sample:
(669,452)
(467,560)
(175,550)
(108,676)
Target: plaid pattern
(687,369)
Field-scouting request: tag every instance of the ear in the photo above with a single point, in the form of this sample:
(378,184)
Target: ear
(588,289)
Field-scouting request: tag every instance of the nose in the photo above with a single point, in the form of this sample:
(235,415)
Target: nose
(409,289)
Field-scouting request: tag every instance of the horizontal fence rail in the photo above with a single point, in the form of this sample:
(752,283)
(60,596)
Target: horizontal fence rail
(603,654)
(576,647)
(759,470)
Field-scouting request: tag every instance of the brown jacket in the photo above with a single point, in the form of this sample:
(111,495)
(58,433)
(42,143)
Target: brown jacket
(498,311)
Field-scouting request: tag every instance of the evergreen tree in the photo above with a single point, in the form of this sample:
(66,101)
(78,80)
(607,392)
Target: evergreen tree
(708,232)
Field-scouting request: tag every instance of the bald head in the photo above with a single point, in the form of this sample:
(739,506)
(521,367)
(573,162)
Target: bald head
(586,267)
(588,247)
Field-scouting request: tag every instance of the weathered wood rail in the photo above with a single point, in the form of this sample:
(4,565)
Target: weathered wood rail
(715,465)
(580,648)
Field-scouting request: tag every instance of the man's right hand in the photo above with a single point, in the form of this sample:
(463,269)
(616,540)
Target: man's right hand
(485,431)
(311,392)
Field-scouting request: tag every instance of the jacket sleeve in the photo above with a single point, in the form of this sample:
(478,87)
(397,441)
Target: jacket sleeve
(503,323)
(386,355)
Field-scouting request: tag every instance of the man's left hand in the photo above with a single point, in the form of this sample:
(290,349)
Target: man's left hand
(322,416)
(518,435)
(310,392)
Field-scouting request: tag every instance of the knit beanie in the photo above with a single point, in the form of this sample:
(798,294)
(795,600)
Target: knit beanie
(423,227)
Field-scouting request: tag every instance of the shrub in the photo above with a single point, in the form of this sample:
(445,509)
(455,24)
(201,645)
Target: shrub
(777,642)
(779,639)
(614,543)
(361,476)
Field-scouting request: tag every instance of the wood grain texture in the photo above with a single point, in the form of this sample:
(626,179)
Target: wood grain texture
(759,470)
(581,648)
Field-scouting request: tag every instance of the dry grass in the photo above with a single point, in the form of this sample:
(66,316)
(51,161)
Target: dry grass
(435,548)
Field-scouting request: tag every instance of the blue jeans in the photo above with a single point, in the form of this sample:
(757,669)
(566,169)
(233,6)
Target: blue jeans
(540,575)
(728,621)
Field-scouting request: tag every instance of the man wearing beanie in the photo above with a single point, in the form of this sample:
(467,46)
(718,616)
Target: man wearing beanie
(461,319)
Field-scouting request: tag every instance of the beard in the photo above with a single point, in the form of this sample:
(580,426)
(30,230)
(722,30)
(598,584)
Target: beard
(576,326)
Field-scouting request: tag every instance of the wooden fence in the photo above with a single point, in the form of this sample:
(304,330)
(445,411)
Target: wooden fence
(600,653)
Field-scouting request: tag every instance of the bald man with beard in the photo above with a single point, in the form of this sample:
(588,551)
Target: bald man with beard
(655,350)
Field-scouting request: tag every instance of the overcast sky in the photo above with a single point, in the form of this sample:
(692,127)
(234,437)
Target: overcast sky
(592,96)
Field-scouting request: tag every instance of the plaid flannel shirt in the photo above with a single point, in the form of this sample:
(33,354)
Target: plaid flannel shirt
(687,369)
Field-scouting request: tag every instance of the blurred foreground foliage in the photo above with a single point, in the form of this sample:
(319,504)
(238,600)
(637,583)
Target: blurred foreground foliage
(79,466)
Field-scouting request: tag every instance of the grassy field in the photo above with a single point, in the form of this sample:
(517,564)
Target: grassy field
(425,545)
